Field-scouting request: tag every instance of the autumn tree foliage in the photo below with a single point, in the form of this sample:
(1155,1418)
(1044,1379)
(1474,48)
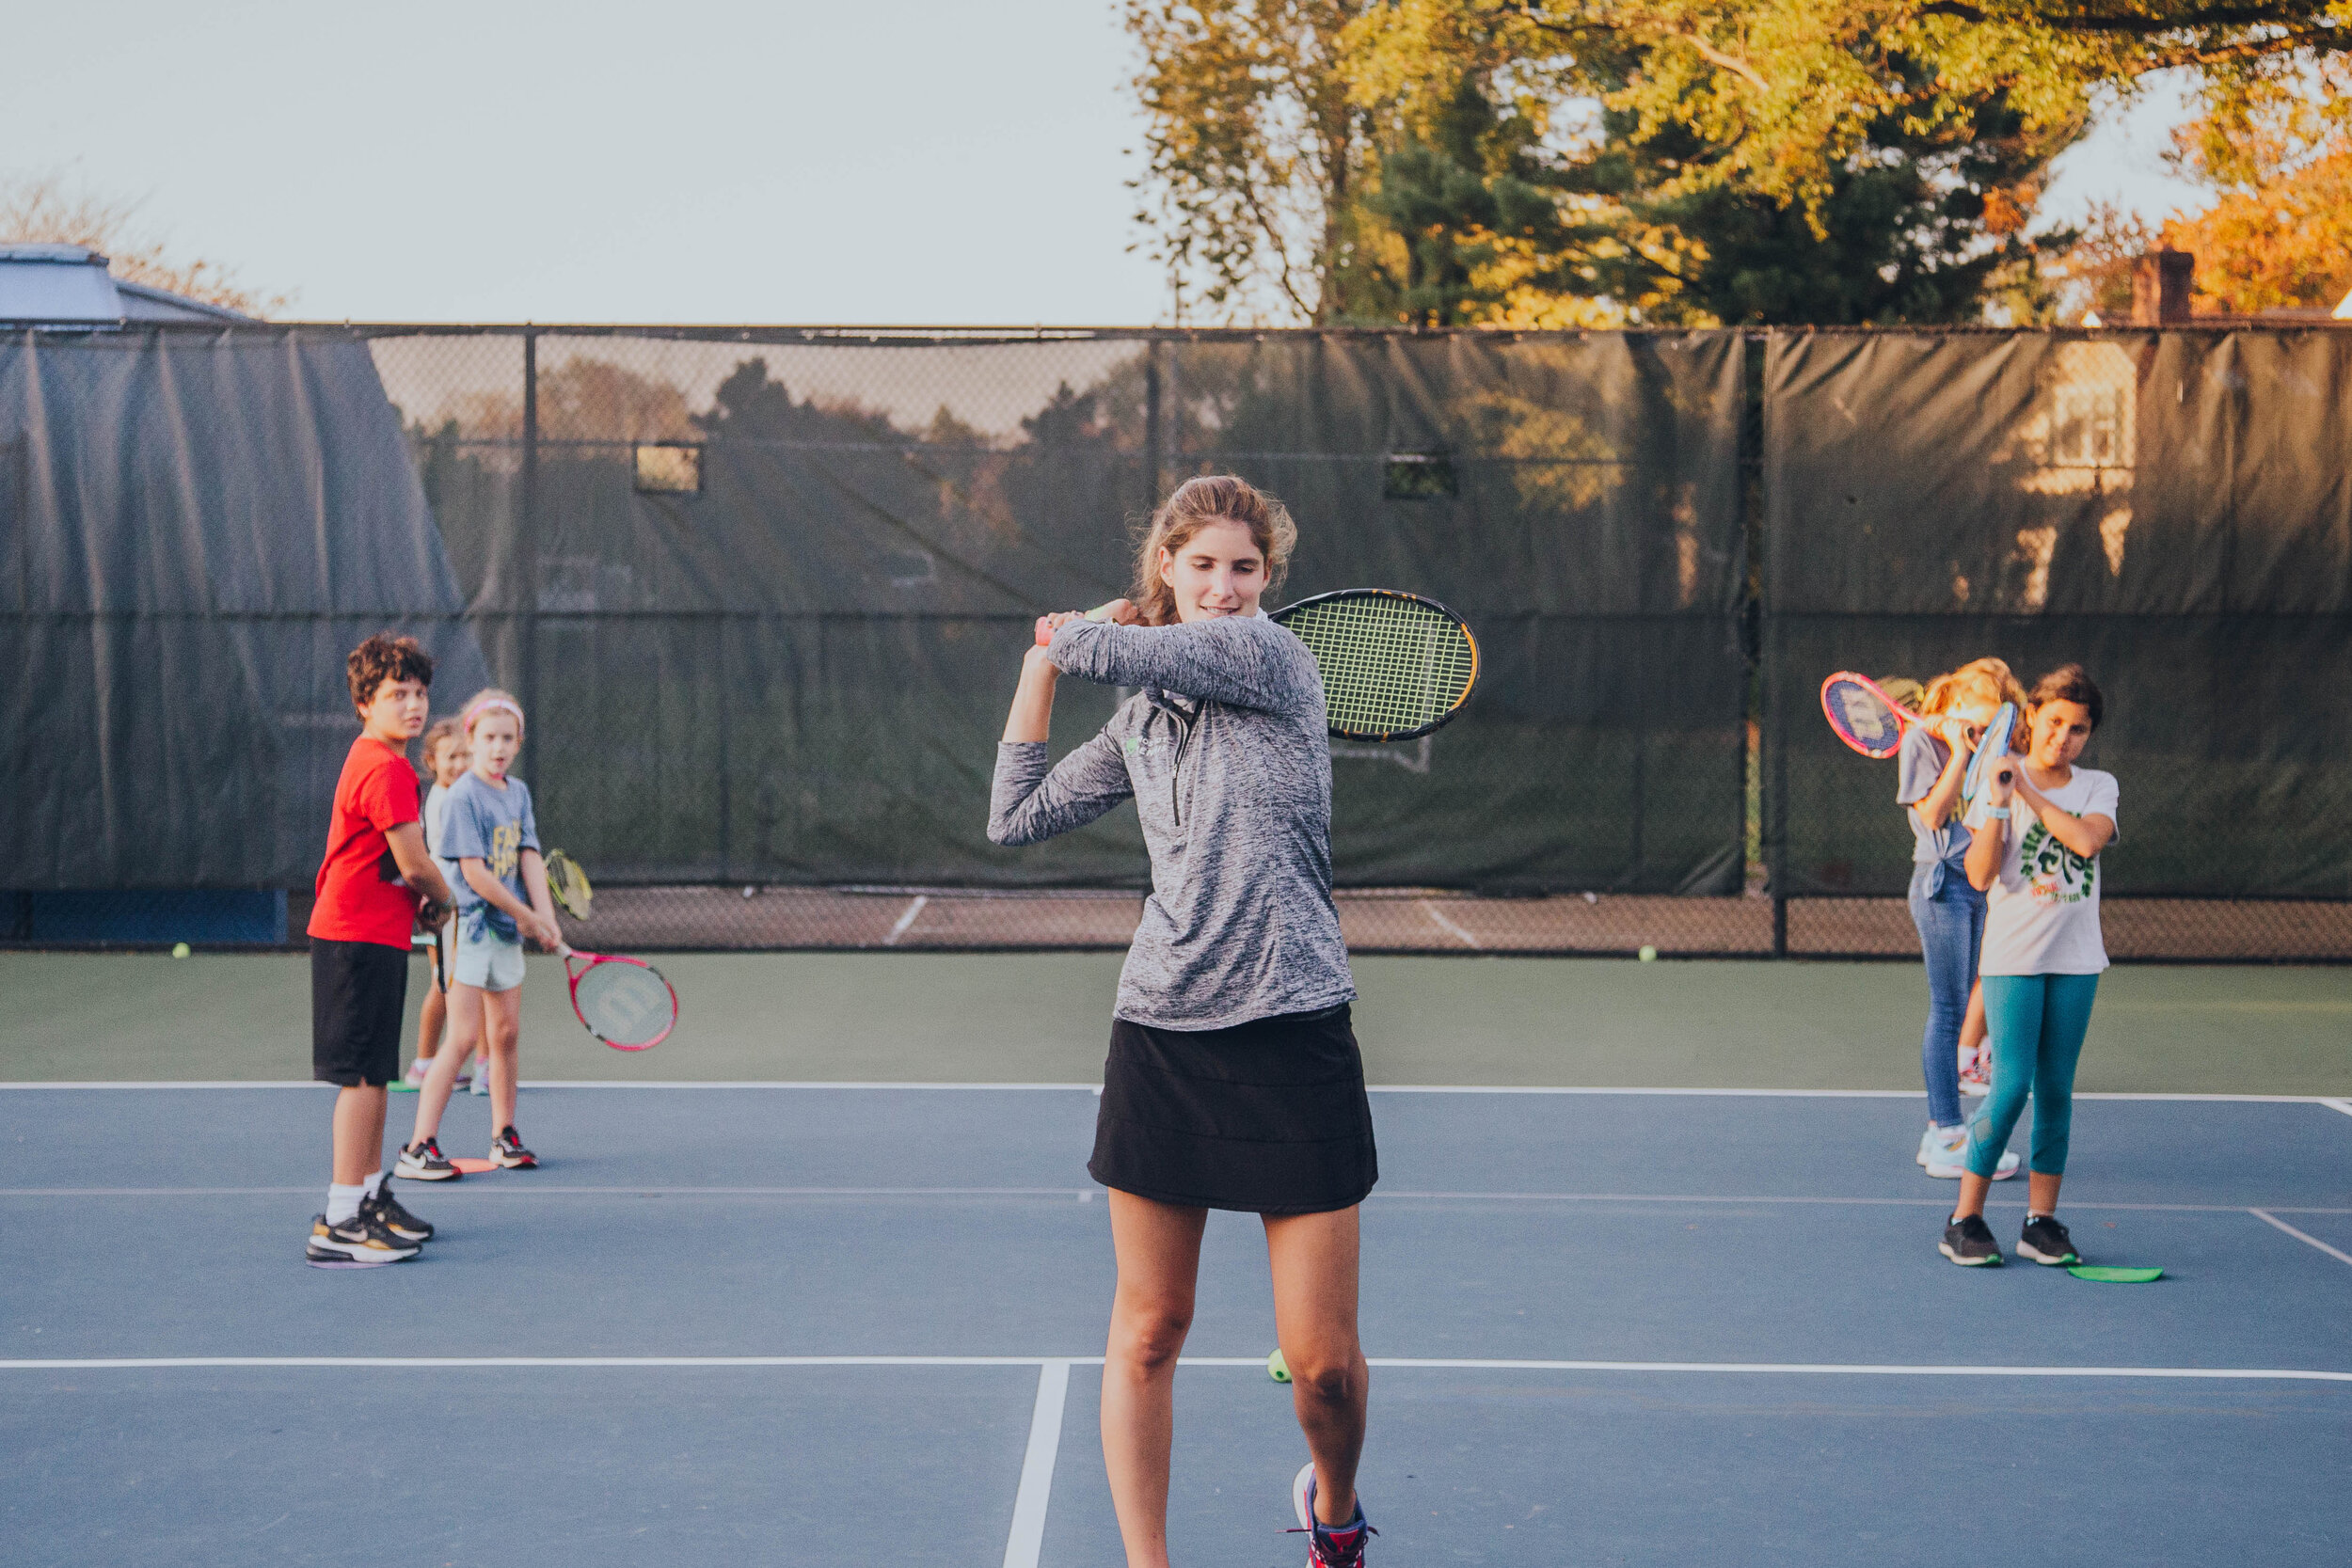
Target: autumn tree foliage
(1552,162)
(43,210)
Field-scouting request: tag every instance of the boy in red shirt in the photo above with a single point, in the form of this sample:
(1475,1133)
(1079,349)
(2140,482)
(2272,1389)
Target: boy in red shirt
(374,884)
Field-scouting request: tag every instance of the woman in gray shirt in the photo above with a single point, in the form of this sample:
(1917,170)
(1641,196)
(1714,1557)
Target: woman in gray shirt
(1234,1079)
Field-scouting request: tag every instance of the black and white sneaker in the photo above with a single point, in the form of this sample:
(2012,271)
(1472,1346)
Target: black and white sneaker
(387,1211)
(360,1243)
(508,1153)
(425,1162)
(2046,1242)
(1968,1241)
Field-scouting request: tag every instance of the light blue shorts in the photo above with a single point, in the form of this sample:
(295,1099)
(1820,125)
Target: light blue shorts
(488,962)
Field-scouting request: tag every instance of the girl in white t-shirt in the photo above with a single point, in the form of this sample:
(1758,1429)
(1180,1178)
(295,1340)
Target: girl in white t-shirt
(445,761)
(2040,826)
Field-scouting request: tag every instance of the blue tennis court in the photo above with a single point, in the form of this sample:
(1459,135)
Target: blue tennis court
(855,1324)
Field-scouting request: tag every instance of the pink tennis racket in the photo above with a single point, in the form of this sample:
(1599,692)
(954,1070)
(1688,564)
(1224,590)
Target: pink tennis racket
(1863,716)
(623,1002)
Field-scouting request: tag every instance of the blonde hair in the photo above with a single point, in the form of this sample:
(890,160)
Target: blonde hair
(483,702)
(1989,678)
(443,729)
(1198,502)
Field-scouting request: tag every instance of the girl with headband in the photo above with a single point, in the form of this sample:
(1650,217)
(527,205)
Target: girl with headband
(502,899)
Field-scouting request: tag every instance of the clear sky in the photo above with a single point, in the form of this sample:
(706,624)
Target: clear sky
(699,161)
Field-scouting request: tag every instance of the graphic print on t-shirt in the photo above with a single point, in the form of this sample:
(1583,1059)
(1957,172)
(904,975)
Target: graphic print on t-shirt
(2054,873)
(506,849)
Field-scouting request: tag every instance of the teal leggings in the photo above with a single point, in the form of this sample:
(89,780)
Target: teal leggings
(2037,1024)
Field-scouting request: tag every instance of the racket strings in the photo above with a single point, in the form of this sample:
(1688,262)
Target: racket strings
(1387,664)
(625,1003)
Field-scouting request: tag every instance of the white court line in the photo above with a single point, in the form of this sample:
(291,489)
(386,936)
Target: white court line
(2337,1104)
(1086,1194)
(906,920)
(1027,1538)
(2268,1218)
(623,1363)
(1464,936)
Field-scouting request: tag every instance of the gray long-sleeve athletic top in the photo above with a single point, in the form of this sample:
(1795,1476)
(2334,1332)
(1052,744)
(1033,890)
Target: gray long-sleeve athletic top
(1224,750)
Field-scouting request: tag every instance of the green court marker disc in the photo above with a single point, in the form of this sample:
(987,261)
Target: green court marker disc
(1278,1368)
(2108,1275)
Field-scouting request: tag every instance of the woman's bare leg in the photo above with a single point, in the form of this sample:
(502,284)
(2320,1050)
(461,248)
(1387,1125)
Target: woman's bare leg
(1314,1260)
(502,1018)
(1158,1246)
(465,1028)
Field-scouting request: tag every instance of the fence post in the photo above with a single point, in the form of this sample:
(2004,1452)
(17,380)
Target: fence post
(1152,463)
(1770,752)
(527,549)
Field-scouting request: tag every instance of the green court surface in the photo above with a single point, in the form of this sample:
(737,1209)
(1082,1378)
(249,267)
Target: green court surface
(1045,1018)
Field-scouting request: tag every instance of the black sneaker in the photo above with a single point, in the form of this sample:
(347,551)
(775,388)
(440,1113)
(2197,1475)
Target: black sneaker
(1969,1242)
(360,1243)
(2046,1242)
(424,1162)
(387,1211)
(508,1153)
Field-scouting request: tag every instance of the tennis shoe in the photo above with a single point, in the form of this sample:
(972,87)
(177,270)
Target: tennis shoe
(2046,1241)
(1945,1152)
(1969,1242)
(394,1216)
(360,1243)
(1327,1545)
(508,1153)
(425,1162)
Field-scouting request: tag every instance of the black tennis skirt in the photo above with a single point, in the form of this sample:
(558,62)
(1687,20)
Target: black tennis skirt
(1268,1116)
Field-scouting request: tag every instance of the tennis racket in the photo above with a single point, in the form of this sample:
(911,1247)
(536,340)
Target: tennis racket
(1992,750)
(1394,665)
(440,951)
(1863,716)
(623,1002)
(568,884)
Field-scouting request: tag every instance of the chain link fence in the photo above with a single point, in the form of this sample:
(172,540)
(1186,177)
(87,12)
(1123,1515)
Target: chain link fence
(763,591)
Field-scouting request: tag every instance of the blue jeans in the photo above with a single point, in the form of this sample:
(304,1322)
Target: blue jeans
(2038,1023)
(1951,936)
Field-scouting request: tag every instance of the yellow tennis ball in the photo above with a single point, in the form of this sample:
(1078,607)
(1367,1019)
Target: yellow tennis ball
(1647,953)
(178,949)
(1278,1368)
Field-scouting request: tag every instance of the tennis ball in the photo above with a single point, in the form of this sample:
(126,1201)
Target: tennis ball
(178,949)
(1278,1368)
(1647,953)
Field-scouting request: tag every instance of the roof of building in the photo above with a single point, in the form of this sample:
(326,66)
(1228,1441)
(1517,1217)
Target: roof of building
(72,284)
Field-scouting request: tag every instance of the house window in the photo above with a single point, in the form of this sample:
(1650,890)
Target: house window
(669,468)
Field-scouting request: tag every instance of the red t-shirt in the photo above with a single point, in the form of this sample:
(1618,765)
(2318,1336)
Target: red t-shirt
(359,896)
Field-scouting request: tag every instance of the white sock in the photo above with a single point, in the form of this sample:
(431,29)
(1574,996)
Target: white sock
(2033,1214)
(343,1203)
(373,1182)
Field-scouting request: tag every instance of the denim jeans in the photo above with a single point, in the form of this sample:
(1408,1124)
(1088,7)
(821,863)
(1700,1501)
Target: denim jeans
(1951,937)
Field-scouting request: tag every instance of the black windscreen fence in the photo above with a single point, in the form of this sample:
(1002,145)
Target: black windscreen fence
(764,593)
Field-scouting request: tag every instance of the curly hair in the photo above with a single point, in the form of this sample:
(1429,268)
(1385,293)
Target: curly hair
(1199,502)
(1989,678)
(385,658)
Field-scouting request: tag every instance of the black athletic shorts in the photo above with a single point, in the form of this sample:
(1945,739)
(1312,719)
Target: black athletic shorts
(356,990)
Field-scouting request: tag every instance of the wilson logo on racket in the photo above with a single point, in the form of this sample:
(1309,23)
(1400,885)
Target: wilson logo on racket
(623,1002)
(1864,715)
(1394,665)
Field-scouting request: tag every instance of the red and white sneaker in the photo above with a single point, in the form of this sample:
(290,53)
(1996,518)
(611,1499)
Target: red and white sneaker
(1327,1545)
(508,1153)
